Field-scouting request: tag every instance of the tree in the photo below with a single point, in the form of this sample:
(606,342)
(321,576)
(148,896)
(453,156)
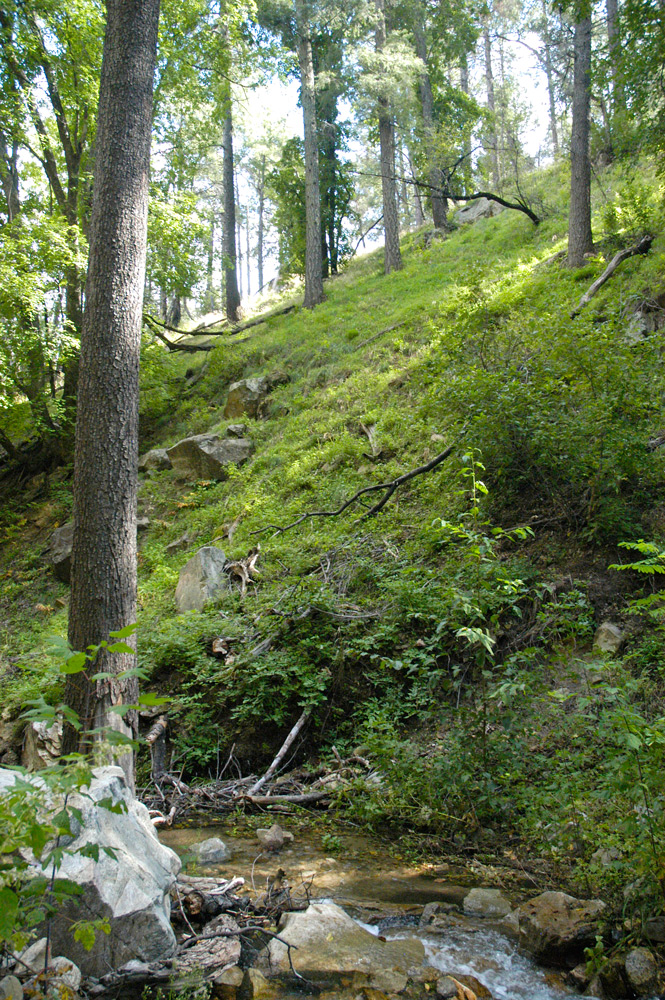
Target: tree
(103,595)
(392,256)
(313,256)
(580,240)
(229,254)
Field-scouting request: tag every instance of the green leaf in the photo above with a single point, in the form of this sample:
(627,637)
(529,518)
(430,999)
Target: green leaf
(121,647)
(152,700)
(8,912)
(123,633)
(74,664)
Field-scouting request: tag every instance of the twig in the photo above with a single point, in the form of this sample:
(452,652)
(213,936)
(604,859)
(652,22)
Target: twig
(642,247)
(298,800)
(282,753)
(389,489)
(376,336)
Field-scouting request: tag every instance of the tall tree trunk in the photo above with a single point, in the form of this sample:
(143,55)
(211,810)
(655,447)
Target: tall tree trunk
(404,190)
(238,244)
(210,292)
(614,41)
(392,255)
(9,177)
(549,73)
(580,240)
(491,106)
(466,148)
(248,258)
(313,256)
(435,178)
(229,254)
(103,594)
(259,241)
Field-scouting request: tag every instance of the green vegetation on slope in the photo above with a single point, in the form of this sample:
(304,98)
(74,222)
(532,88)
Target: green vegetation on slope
(457,652)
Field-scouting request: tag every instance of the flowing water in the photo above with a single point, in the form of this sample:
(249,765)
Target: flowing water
(387,897)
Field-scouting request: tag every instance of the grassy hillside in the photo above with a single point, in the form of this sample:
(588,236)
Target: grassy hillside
(451,635)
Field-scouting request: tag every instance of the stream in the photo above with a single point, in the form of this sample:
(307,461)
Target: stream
(386,897)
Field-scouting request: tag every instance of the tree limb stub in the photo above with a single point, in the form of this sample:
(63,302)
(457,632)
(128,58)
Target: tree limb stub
(642,247)
(388,488)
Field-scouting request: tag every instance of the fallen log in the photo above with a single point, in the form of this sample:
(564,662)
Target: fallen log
(282,753)
(299,800)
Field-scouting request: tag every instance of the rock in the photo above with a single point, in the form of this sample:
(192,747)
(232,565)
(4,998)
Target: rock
(245,397)
(60,551)
(332,947)
(156,460)
(556,927)
(578,977)
(475,985)
(131,890)
(66,973)
(10,988)
(225,986)
(446,988)
(481,208)
(212,851)
(609,638)
(201,579)
(613,980)
(255,986)
(641,971)
(41,745)
(236,430)
(605,856)
(142,523)
(486,903)
(33,957)
(206,456)
(180,543)
(214,954)
(655,929)
(274,838)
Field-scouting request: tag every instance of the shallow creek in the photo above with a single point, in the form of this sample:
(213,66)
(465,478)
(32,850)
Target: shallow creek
(386,896)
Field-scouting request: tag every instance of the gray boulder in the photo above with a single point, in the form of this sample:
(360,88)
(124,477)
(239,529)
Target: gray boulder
(236,430)
(332,947)
(556,927)
(60,551)
(41,745)
(609,638)
(481,208)
(156,460)
(641,971)
(212,851)
(10,988)
(201,579)
(245,397)
(206,456)
(486,903)
(130,889)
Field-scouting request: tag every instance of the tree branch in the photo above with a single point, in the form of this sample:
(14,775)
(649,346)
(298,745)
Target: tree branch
(642,247)
(388,490)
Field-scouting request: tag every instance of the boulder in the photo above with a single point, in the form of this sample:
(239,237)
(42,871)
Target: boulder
(481,208)
(60,551)
(130,889)
(206,456)
(556,927)
(156,460)
(641,971)
(332,947)
(66,973)
(226,985)
(486,903)
(33,958)
(236,430)
(10,988)
(609,638)
(201,579)
(273,838)
(212,851)
(41,745)
(245,397)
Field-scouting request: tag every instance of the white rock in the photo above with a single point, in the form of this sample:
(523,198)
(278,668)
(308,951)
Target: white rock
(609,638)
(66,972)
(201,578)
(486,903)
(212,851)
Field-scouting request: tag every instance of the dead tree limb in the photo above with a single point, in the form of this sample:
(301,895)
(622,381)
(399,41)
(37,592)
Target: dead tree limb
(282,753)
(388,329)
(174,345)
(388,488)
(517,206)
(302,799)
(642,247)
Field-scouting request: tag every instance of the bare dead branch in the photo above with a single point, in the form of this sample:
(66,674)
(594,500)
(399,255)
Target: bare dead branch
(282,753)
(388,488)
(642,247)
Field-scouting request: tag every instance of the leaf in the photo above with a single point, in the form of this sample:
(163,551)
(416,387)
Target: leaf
(39,837)
(123,633)
(74,664)
(152,700)
(8,912)
(121,647)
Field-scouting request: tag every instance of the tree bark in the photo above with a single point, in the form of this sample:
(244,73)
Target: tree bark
(580,240)
(313,252)
(614,42)
(466,148)
(439,203)
(550,80)
(103,594)
(491,106)
(229,254)
(392,255)
(259,241)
